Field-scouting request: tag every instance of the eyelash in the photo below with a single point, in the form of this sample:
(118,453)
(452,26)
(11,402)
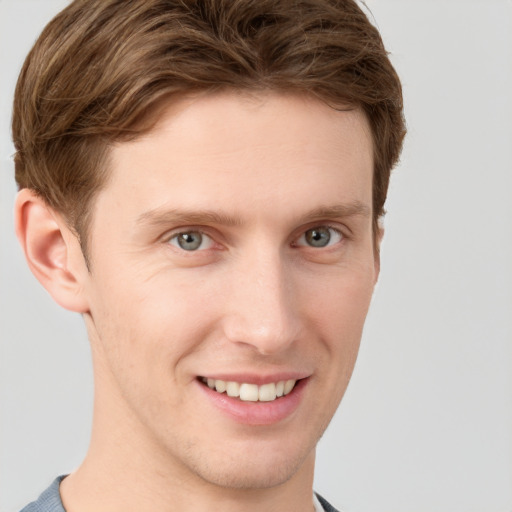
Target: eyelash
(174,236)
(337,231)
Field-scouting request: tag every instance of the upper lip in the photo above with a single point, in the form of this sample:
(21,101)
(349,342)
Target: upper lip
(257,378)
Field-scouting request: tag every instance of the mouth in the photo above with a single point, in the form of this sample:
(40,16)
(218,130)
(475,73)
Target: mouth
(253,399)
(247,392)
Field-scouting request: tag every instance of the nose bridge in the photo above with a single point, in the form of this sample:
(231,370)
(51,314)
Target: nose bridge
(263,303)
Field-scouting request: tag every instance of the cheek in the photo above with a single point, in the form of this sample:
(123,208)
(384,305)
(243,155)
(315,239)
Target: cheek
(139,340)
(337,312)
(342,300)
(148,321)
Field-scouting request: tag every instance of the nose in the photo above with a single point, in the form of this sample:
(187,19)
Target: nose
(263,310)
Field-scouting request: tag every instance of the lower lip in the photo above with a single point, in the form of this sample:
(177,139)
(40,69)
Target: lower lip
(256,413)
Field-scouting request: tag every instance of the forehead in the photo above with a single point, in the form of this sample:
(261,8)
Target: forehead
(230,150)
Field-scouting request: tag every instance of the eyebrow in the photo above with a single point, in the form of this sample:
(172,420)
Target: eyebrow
(338,211)
(160,216)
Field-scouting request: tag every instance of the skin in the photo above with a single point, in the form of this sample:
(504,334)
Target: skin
(254,299)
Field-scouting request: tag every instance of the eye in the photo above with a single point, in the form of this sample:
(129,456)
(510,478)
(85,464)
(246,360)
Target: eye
(191,241)
(320,236)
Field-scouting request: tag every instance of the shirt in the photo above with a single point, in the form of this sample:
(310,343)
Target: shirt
(50,501)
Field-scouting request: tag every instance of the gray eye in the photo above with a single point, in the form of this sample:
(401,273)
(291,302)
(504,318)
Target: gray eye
(189,241)
(318,237)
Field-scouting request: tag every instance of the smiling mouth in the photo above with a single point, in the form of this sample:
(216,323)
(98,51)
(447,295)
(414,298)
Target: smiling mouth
(251,392)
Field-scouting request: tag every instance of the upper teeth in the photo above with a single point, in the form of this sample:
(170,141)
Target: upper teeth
(252,392)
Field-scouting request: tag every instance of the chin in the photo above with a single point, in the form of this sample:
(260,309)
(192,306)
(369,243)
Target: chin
(253,469)
(252,476)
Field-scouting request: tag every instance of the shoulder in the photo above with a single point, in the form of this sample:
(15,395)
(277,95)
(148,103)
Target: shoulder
(49,500)
(326,505)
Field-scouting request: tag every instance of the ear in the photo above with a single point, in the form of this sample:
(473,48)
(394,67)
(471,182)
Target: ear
(376,249)
(52,251)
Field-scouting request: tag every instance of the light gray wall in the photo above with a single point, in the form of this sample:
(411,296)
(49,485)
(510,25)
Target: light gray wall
(426,424)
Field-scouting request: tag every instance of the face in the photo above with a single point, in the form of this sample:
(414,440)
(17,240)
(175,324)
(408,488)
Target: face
(232,269)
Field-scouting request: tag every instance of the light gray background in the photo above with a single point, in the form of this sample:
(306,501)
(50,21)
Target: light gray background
(426,425)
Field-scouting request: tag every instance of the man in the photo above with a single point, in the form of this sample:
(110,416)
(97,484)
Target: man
(203,182)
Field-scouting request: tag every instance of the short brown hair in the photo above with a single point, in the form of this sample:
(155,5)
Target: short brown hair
(100,67)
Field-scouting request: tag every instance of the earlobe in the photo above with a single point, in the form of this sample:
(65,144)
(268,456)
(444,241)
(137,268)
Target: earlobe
(52,251)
